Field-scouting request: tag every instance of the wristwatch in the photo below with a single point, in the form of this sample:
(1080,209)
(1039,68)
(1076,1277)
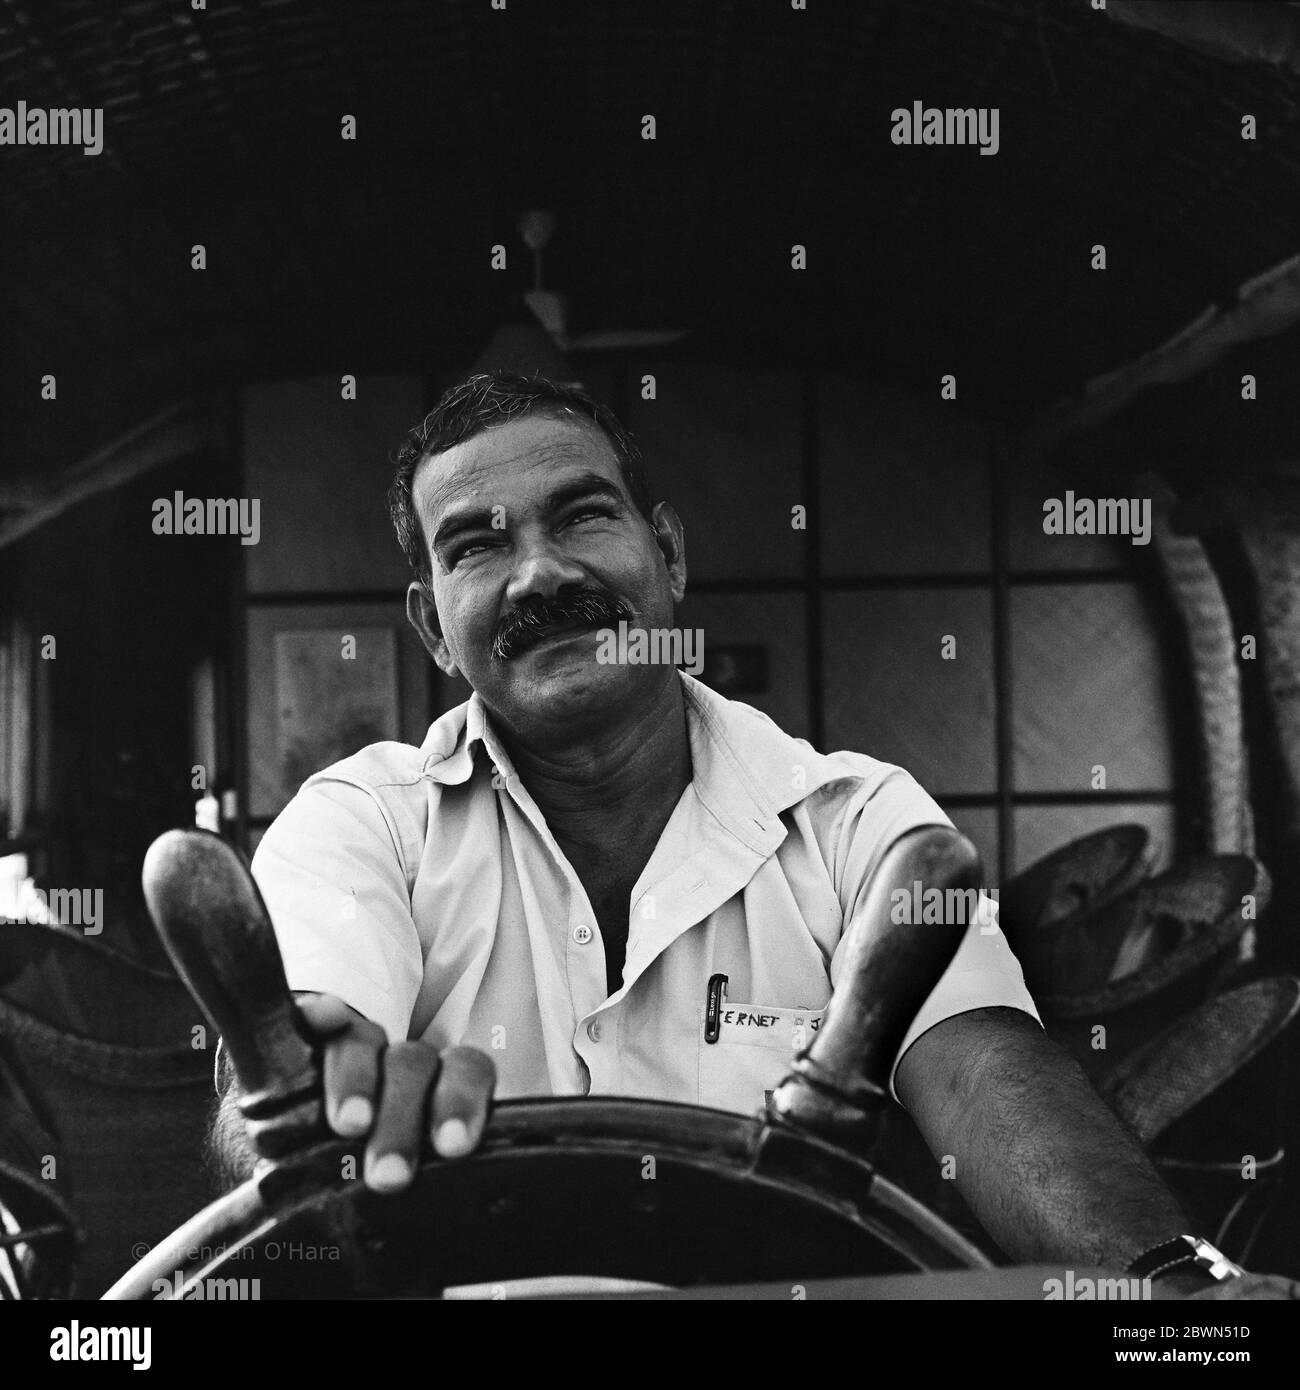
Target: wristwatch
(1185,1254)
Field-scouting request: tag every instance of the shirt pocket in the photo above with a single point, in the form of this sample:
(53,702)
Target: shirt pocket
(755,1048)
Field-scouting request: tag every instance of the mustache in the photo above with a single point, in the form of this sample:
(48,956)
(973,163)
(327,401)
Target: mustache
(527,623)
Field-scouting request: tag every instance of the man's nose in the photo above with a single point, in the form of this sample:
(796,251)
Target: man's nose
(541,570)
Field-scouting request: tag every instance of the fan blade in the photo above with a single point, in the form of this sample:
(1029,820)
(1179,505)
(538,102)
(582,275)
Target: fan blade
(611,339)
(524,348)
(551,310)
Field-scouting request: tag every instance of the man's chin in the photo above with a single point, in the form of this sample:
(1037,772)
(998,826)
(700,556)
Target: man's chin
(561,680)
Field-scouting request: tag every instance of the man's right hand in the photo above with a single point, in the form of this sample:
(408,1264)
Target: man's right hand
(401,1095)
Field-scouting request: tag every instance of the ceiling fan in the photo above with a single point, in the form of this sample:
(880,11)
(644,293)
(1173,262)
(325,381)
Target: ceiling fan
(521,346)
(550,308)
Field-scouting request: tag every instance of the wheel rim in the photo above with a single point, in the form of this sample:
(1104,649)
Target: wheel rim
(640,1190)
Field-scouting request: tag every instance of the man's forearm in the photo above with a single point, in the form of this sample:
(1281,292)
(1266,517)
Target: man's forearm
(1041,1159)
(230,1155)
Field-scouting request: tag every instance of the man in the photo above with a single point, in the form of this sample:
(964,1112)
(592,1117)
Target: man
(539,897)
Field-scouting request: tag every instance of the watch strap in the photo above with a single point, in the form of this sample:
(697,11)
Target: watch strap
(1184,1253)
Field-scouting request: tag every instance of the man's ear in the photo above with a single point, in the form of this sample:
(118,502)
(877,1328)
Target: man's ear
(670,536)
(423,615)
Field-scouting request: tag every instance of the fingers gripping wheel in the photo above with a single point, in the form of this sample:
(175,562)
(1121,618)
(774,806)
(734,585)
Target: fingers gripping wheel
(619,1188)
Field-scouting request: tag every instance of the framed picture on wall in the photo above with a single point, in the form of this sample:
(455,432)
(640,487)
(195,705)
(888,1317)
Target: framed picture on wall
(323,682)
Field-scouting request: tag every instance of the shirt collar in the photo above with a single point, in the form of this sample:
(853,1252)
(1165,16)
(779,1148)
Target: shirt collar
(454,739)
(745,769)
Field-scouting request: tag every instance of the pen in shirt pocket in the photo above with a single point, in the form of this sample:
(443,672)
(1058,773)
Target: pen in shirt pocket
(713,1007)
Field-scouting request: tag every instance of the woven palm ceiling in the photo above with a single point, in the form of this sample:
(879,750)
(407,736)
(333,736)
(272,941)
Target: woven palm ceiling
(222,127)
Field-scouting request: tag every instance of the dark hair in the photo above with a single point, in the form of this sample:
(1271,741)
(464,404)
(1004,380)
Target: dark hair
(476,405)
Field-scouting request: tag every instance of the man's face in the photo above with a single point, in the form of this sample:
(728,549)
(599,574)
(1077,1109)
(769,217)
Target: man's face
(533,519)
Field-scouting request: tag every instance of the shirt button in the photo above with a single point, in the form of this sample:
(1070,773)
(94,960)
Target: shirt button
(593,1030)
(582,933)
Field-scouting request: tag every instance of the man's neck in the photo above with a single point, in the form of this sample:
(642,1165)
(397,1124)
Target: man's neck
(612,791)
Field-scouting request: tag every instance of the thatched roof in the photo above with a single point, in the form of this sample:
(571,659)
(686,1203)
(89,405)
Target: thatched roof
(223,127)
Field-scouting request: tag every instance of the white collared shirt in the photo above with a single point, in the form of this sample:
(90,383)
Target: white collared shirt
(424,888)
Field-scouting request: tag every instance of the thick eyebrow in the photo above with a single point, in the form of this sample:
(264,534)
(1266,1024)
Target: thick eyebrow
(579,489)
(585,485)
